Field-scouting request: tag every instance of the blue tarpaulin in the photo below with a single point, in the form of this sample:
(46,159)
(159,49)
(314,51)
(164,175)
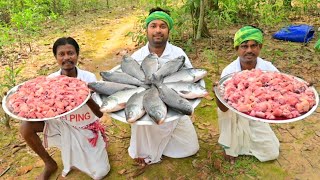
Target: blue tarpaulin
(296,33)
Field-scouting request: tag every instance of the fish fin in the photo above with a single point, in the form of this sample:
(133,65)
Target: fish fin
(184,92)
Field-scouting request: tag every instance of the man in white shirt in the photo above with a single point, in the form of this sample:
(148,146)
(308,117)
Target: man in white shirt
(175,139)
(79,135)
(239,135)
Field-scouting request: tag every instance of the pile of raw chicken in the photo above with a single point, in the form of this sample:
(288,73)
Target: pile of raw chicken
(46,97)
(268,95)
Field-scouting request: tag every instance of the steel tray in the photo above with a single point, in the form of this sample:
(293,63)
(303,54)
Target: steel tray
(145,120)
(14,89)
(219,89)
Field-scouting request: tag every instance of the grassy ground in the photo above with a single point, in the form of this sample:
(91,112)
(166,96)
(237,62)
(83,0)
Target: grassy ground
(102,40)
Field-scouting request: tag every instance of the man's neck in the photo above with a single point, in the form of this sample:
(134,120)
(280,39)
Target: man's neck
(248,65)
(158,50)
(69,73)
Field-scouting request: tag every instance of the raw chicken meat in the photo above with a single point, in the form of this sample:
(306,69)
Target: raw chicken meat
(268,95)
(46,97)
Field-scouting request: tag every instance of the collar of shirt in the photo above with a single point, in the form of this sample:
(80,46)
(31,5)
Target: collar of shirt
(167,51)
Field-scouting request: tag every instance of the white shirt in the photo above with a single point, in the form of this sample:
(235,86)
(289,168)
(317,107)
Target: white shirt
(242,136)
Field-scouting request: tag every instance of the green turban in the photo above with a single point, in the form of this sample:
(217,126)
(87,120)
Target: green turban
(248,33)
(160,15)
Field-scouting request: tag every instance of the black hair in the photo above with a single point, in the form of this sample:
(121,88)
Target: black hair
(159,9)
(63,41)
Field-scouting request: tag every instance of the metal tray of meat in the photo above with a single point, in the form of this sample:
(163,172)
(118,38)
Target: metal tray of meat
(219,93)
(145,120)
(7,109)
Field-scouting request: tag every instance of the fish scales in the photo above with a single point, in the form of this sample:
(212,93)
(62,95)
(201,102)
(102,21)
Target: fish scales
(154,106)
(173,100)
(132,67)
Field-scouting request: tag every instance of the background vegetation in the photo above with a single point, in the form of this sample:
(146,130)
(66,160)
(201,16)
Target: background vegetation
(203,28)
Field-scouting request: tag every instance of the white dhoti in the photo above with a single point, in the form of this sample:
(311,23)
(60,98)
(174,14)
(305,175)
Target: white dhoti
(76,150)
(241,136)
(176,139)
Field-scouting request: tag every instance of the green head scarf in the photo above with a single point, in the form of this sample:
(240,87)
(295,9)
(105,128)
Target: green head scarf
(247,33)
(160,15)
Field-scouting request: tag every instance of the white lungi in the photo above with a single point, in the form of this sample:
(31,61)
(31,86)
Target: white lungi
(176,139)
(67,134)
(242,136)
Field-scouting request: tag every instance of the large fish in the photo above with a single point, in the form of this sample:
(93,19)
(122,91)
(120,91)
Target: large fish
(132,67)
(186,75)
(118,100)
(150,65)
(170,67)
(134,109)
(108,88)
(173,100)
(154,106)
(188,90)
(120,77)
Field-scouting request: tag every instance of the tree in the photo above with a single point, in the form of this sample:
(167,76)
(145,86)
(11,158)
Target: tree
(197,10)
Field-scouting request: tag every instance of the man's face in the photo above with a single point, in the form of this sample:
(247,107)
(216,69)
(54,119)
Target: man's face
(249,51)
(67,56)
(157,33)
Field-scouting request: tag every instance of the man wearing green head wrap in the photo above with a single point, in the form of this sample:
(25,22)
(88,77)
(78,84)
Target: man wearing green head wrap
(175,139)
(239,135)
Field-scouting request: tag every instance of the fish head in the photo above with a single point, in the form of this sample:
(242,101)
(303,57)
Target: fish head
(198,73)
(133,113)
(199,90)
(158,114)
(187,107)
(109,105)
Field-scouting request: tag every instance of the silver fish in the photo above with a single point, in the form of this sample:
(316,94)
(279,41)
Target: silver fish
(132,67)
(134,109)
(154,106)
(170,67)
(118,100)
(186,75)
(150,65)
(108,88)
(188,90)
(173,100)
(120,77)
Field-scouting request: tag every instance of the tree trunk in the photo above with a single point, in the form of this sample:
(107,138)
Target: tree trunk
(201,19)
(213,5)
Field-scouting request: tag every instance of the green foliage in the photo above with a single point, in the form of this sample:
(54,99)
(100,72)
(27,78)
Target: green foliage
(139,35)
(5,37)
(210,55)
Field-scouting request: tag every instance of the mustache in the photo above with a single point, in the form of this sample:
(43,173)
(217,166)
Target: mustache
(67,62)
(250,53)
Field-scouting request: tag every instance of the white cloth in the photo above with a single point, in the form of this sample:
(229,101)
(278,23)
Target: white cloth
(176,139)
(241,136)
(66,134)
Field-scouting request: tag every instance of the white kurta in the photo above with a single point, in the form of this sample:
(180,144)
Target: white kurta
(66,134)
(241,136)
(176,139)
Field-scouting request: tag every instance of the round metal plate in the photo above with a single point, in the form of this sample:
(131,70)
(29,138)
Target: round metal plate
(145,120)
(219,93)
(7,109)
